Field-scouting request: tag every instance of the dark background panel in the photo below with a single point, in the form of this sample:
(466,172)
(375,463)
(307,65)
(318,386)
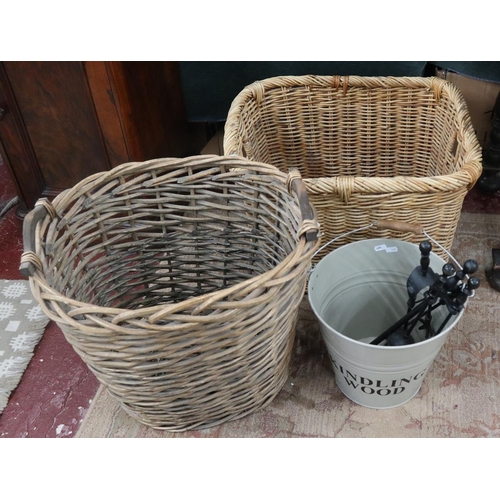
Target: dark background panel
(209,87)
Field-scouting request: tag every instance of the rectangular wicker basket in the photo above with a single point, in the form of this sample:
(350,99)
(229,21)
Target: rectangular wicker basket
(368,149)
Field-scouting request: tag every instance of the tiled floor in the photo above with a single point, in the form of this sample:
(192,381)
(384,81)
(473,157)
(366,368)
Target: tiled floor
(57,388)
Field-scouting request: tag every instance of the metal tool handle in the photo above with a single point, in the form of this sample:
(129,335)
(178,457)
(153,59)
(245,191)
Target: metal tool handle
(29,260)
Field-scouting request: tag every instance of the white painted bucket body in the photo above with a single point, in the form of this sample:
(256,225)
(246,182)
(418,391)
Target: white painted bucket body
(357,292)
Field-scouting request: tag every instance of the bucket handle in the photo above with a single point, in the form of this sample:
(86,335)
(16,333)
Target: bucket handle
(394,226)
(29,259)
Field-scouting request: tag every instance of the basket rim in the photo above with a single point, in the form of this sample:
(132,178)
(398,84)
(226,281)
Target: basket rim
(257,88)
(303,249)
(467,176)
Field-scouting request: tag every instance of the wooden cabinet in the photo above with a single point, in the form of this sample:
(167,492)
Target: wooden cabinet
(63,121)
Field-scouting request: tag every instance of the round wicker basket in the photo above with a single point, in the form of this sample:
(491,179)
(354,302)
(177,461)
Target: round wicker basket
(177,281)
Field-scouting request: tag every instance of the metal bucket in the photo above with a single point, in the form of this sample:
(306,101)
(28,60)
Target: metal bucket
(357,292)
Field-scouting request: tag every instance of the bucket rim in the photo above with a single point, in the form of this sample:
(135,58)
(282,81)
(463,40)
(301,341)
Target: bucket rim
(368,240)
(381,347)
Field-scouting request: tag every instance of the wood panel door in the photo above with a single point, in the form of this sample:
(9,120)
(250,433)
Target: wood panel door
(63,121)
(50,130)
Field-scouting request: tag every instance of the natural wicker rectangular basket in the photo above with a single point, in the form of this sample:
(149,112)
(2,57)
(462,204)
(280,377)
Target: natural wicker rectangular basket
(178,282)
(368,149)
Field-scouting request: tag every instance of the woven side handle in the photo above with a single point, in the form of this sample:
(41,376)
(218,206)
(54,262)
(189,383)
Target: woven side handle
(29,260)
(309,226)
(403,227)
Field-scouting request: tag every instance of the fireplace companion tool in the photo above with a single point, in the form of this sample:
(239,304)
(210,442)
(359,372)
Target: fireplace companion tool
(427,291)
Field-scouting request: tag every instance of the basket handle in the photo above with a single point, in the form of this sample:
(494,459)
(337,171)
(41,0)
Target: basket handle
(402,227)
(309,226)
(29,259)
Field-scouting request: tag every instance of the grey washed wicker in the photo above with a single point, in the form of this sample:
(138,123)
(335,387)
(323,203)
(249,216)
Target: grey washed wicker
(178,282)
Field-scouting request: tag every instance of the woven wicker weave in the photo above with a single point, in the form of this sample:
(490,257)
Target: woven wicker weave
(368,148)
(177,282)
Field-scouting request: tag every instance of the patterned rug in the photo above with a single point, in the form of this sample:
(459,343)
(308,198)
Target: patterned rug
(459,397)
(22,324)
